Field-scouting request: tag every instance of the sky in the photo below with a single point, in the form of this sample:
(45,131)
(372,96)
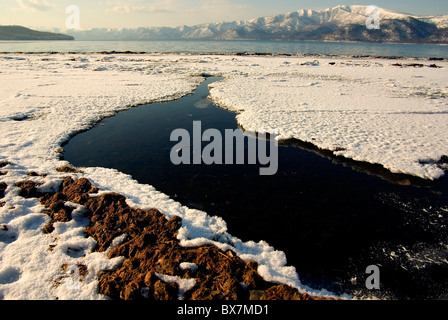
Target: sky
(52,14)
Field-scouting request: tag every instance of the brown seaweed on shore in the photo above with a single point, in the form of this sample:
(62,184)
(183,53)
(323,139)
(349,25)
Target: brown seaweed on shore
(68,169)
(3,187)
(151,248)
(3,164)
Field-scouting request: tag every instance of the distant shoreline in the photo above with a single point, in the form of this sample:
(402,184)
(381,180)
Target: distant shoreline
(239,40)
(20,33)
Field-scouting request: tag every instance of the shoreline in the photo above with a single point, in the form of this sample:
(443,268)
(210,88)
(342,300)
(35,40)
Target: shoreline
(242,53)
(375,169)
(152,253)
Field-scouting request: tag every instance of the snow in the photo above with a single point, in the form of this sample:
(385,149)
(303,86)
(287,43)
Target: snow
(370,109)
(384,13)
(32,262)
(378,113)
(188,266)
(185,285)
(441,22)
(340,15)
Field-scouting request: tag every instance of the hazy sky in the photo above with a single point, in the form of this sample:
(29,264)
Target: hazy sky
(48,14)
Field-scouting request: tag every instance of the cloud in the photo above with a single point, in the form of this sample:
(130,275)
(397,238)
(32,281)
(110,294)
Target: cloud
(35,5)
(135,9)
(218,9)
(227,4)
(126,8)
(174,13)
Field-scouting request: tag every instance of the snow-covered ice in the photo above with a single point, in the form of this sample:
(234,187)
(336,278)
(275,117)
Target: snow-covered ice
(366,109)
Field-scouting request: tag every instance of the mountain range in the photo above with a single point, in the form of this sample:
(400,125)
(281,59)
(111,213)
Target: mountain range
(341,23)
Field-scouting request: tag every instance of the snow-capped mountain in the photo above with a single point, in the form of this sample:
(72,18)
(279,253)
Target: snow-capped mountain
(341,23)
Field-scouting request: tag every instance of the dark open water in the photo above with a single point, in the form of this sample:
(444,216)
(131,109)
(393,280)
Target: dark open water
(331,217)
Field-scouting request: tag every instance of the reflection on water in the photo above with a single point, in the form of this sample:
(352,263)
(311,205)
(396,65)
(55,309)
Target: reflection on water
(330,220)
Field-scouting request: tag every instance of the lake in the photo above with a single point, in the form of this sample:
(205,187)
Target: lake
(233,46)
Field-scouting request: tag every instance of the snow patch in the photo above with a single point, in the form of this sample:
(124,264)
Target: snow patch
(185,285)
